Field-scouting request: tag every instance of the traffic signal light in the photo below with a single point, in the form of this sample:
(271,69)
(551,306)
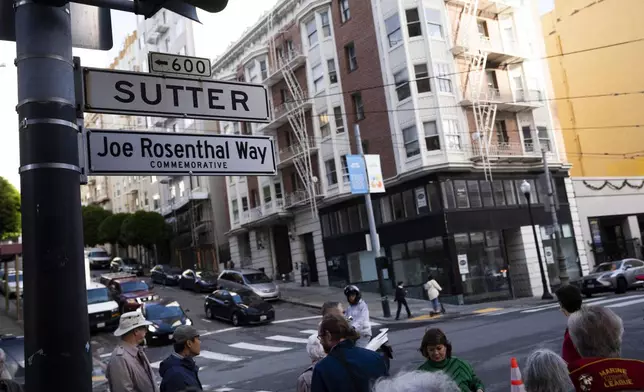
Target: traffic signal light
(186,8)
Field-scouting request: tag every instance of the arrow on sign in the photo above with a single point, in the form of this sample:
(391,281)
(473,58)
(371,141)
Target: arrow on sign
(161,62)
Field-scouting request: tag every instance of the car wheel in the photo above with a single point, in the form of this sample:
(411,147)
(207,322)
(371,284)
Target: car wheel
(235,319)
(622,286)
(209,314)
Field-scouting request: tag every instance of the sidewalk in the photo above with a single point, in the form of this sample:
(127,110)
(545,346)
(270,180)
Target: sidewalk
(9,324)
(314,296)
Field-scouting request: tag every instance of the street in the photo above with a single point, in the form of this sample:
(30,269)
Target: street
(270,357)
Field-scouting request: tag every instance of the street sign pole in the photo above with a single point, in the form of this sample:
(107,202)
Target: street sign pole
(57,341)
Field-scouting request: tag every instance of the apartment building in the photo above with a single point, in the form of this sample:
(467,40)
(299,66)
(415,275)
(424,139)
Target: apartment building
(445,94)
(197,214)
(602,135)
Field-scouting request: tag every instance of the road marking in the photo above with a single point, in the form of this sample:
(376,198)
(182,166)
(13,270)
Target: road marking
(606,301)
(374,324)
(296,319)
(590,302)
(426,317)
(288,339)
(486,310)
(224,390)
(627,303)
(220,331)
(309,331)
(206,320)
(219,356)
(259,347)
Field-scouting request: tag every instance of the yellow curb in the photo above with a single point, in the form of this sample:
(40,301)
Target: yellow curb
(426,317)
(487,310)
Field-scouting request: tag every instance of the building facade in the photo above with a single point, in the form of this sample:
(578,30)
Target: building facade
(443,92)
(197,214)
(602,134)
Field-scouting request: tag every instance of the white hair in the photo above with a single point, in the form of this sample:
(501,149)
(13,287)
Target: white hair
(596,331)
(314,348)
(546,371)
(417,381)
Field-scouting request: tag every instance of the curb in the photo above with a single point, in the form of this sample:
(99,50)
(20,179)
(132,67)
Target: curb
(303,304)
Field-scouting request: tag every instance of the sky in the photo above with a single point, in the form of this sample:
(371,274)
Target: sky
(215,34)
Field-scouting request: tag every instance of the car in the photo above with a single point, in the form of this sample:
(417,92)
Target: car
(238,307)
(103,311)
(128,290)
(126,265)
(199,281)
(165,275)
(98,258)
(8,280)
(617,276)
(165,315)
(249,279)
(14,348)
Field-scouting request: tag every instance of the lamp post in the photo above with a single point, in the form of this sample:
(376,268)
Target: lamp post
(525,189)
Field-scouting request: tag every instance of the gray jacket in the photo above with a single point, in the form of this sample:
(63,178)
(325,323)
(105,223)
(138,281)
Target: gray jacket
(129,370)
(304,380)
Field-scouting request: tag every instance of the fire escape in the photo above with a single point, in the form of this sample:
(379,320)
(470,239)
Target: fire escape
(295,111)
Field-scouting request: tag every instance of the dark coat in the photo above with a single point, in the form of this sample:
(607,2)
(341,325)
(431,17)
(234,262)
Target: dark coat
(179,375)
(400,294)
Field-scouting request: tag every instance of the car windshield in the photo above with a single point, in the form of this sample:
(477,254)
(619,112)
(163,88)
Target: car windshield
(12,278)
(129,287)
(244,298)
(129,261)
(174,271)
(256,278)
(97,296)
(161,311)
(206,275)
(99,254)
(607,267)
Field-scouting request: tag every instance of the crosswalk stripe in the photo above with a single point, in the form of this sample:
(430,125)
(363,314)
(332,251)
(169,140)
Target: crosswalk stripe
(219,356)
(259,347)
(606,301)
(309,331)
(288,339)
(627,303)
(554,306)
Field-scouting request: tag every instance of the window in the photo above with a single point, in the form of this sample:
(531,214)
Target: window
(318,78)
(481,25)
(452,134)
(434,24)
(422,78)
(325,128)
(474,194)
(410,138)
(339,122)
(413,22)
(352,60)
(486,194)
(266,191)
(432,140)
(499,193)
(235,211)
(441,70)
(333,74)
(402,85)
(331,175)
(358,106)
(345,14)
(501,132)
(245,203)
(278,190)
(263,69)
(544,139)
(394,33)
(312,31)
(345,169)
(528,143)
(326,25)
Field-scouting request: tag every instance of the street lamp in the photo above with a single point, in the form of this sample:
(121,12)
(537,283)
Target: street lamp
(525,189)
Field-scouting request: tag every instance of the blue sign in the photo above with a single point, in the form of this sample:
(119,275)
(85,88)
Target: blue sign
(357,174)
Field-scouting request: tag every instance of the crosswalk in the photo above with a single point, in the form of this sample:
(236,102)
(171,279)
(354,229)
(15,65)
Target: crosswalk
(609,302)
(244,350)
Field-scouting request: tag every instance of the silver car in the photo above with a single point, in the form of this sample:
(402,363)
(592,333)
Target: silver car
(255,280)
(617,276)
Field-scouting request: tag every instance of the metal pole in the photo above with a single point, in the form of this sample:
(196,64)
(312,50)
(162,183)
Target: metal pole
(192,225)
(546,291)
(18,292)
(373,234)
(561,259)
(57,349)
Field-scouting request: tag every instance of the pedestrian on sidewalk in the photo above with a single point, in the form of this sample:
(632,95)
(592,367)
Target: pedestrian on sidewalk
(401,298)
(304,271)
(438,351)
(358,314)
(129,369)
(570,301)
(433,292)
(179,371)
(316,353)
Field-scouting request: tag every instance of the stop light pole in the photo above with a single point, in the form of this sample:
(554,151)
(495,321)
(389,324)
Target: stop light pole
(57,341)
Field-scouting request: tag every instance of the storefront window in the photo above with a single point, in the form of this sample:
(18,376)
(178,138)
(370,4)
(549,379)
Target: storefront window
(385,209)
(499,194)
(362,266)
(354,218)
(343,219)
(510,195)
(407,264)
(486,194)
(337,269)
(397,206)
(333,222)
(474,194)
(410,203)
(460,192)
(434,196)
(448,194)
(326,227)
(569,250)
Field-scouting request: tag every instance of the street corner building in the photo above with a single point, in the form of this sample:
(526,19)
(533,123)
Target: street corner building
(444,93)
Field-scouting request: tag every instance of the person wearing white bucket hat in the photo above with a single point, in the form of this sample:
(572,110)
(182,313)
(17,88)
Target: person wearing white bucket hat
(129,368)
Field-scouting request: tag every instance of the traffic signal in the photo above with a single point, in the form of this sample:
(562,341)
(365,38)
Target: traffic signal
(186,8)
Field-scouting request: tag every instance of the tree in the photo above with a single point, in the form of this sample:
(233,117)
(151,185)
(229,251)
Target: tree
(109,231)
(93,216)
(10,218)
(144,228)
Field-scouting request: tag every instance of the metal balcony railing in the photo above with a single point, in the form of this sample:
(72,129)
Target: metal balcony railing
(295,150)
(528,96)
(301,196)
(505,150)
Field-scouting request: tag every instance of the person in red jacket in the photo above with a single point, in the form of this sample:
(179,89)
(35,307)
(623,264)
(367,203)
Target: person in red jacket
(570,300)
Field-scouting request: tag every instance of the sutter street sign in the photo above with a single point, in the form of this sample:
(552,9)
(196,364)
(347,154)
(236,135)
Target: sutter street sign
(128,152)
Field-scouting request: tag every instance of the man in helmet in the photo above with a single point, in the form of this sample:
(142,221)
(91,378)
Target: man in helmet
(358,314)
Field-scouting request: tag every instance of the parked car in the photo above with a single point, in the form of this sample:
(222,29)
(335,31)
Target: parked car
(165,315)
(198,281)
(165,275)
(129,291)
(126,265)
(249,279)
(617,276)
(8,280)
(239,307)
(98,258)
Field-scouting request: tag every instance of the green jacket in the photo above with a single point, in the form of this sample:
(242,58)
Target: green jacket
(460,371)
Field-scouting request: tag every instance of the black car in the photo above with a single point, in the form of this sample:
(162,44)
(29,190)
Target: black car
(240,307)
(165,275)
(166,315)
(126,265)
(199,281)
(14,348)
